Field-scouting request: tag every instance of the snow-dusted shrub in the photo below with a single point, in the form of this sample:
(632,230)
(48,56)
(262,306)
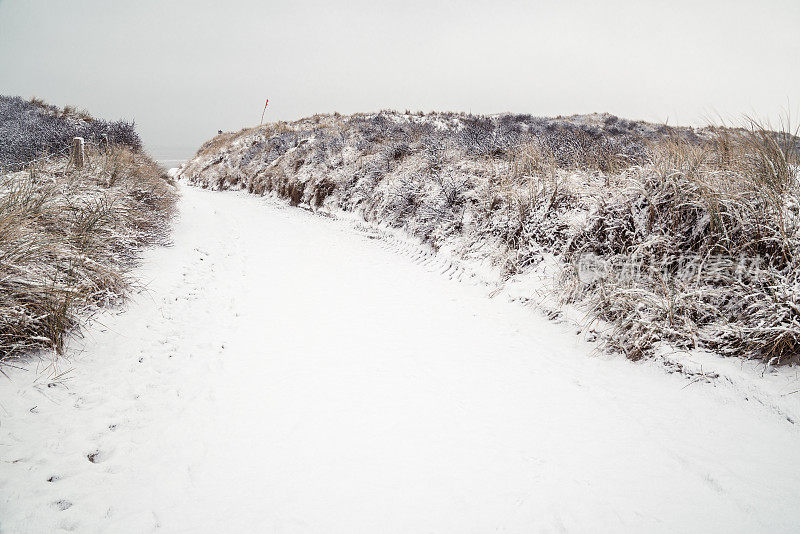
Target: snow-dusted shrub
(480,136)
(362,186)
(29,129)
(404,198)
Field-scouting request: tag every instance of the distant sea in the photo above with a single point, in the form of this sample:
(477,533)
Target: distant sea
(169,157)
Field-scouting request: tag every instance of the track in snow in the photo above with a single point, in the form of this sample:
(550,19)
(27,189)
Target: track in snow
(284,373)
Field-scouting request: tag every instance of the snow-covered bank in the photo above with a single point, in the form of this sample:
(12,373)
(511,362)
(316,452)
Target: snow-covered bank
(284,373)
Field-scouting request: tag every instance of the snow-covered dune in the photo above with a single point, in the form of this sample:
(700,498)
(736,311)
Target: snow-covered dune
(666,240)
(283,372)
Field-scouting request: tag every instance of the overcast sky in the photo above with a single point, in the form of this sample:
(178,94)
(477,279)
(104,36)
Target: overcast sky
(185,69)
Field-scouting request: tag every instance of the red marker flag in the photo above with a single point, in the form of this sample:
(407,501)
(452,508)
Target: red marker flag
(262,113)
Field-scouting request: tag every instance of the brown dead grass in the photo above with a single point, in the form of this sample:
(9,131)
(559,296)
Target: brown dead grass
(69,237)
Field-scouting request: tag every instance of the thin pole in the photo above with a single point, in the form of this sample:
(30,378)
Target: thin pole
(262,113)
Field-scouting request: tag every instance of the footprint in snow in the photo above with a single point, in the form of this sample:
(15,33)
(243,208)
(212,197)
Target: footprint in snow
(62,505)
(98,456)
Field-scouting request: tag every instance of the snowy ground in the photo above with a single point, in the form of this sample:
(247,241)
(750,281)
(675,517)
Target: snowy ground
(284,373)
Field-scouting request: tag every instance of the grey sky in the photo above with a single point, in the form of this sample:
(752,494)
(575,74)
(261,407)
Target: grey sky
(185,69)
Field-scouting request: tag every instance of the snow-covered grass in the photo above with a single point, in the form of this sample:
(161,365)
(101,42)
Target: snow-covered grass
(664,235)
(68,237)
(701,249)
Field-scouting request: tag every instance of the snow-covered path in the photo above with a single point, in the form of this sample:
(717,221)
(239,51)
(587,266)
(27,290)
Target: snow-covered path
(284,373)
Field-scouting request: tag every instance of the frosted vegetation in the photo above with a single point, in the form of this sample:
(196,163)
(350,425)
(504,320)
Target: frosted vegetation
(69,235)
(30,129)
(665,236)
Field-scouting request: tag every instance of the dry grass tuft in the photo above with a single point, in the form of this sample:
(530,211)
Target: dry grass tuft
(68,237)
(701,249)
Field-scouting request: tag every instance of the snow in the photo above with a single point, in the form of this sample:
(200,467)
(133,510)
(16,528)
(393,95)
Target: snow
(287,372)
